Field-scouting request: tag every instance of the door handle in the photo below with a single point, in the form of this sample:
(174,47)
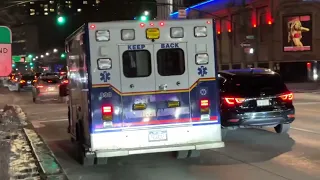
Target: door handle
(163,87)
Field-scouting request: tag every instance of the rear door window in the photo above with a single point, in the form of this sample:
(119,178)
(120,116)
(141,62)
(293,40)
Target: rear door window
(171,62)
(27,78)
(256,85)
(136,64)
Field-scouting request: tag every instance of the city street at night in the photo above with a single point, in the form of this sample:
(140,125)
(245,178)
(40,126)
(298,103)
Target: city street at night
(249,154)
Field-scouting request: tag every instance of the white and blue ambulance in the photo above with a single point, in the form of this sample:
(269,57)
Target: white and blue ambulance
(143,87)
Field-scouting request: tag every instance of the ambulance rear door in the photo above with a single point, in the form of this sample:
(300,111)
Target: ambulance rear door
(172,82)
(137,84)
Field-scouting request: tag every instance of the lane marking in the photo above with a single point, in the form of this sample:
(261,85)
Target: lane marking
(305,103)
(58,110)
(305,130)
(50,121)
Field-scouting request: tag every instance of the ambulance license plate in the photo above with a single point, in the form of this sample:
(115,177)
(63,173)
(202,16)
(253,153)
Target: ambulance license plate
(158,135)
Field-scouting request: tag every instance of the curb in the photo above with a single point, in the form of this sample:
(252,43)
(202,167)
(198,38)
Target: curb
(49,166)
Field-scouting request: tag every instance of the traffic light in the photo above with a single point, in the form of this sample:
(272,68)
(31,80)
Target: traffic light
(31,64)
(144,18)
(13,65)
(63,56)
(30,56)
(61,20)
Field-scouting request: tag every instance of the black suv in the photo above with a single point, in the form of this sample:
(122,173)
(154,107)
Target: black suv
(255,97)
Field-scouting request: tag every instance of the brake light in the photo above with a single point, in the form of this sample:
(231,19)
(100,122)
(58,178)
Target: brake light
(204,106)
(49,81)
(65,82)
(39,86)
(107,112)
(22,81)
(233,101)
(287,96)
(34,80)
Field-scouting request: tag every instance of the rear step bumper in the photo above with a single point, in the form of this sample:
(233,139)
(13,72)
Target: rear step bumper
(127,152)
(270,118)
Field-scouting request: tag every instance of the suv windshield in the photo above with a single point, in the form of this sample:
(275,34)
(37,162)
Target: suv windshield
(255,85)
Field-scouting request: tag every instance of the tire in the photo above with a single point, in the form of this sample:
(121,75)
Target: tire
(224,132)
(282,128)
(82,157)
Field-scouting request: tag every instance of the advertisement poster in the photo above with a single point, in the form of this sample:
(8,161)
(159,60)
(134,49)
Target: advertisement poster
(297,33)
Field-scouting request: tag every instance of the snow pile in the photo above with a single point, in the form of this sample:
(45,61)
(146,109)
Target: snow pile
(16,158)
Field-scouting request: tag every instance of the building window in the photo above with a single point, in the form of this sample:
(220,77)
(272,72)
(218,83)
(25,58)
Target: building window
(225,67)
(263,65)
(263,30)
(170,62)
(236,66)
(136,63)
(51,2)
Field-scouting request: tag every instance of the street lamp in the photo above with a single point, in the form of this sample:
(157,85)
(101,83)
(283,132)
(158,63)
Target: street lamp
(55,50)
(146,13)
(37,57)
(47,54)
(42,56)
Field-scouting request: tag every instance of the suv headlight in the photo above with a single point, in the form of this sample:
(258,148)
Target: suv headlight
(104,64)
(103,35)
(202,58)
(200,31)
(127,34)
(176,32)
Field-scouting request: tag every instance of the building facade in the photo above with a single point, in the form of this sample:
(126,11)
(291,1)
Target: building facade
(276,34)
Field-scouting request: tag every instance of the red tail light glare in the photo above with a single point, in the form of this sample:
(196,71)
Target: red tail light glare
(92,26)
(204,103)
(161,23)
(233,101)
(151,24)
(254,25)
(22,81)
(287,96)
(39,86)
(219,32)
(107,112)
(65,82)
(229,30)
(208,22)
(142,24)
(269,22)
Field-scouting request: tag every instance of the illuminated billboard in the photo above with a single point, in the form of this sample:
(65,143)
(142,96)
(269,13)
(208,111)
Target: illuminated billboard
(297,33)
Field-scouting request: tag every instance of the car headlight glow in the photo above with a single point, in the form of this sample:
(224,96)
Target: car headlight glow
(127,34)
(200,31)
(104,64)
(176,32)
(103,35)
(202,58)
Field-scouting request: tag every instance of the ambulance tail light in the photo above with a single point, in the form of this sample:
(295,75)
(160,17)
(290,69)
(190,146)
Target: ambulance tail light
(107,113)
(204,106)
(104,64)
(202,59)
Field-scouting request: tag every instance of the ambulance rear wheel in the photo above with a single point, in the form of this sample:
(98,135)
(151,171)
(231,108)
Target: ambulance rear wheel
(83,157)
(187,154)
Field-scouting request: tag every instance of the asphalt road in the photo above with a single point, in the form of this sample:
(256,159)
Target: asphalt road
(250,154)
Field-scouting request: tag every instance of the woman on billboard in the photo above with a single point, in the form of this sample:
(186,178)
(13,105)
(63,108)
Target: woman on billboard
(295,30)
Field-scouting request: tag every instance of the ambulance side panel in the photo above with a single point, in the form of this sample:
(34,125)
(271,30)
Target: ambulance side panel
(78,85)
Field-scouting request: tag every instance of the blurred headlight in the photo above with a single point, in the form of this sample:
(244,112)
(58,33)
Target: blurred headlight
(127,34)
(103,35)
(176,32)
(104,64)
(202,58)
(200,31)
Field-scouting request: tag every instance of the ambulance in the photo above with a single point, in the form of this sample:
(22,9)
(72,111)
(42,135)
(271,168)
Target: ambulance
(143,87)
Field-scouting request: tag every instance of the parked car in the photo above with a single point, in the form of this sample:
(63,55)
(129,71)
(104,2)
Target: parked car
(255,97)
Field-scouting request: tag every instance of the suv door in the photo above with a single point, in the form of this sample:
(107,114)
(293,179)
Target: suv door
(137,83)
(172,82)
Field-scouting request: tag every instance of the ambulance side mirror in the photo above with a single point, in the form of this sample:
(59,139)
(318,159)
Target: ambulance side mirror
(63,90)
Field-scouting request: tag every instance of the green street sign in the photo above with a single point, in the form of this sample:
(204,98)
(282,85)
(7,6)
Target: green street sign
(5,51)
